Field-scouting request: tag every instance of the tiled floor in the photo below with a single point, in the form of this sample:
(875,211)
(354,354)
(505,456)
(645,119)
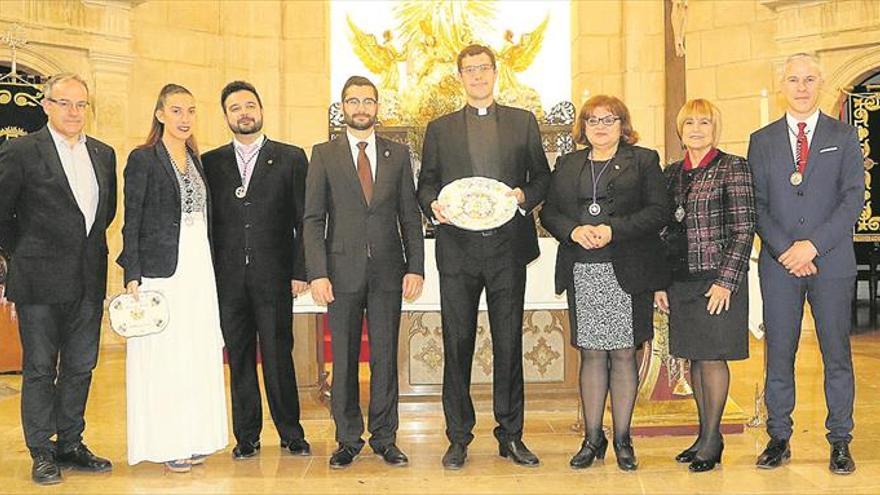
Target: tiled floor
(547,430)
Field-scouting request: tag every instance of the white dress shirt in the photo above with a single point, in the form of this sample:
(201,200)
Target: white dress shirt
(793,130)
(80,174)
(246,157)
(370,150)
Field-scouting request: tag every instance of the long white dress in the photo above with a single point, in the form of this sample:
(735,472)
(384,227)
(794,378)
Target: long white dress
(176,404)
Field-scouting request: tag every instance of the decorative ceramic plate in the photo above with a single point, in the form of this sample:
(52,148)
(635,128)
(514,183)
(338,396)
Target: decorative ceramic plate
(131,318)
(477,203)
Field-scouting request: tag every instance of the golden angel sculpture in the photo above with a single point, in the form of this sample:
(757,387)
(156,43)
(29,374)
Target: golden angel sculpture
(430,34)
(517,57)
(379,58)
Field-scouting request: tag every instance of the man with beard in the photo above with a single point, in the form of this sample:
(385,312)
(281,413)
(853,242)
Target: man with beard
(364,251)
(258,191)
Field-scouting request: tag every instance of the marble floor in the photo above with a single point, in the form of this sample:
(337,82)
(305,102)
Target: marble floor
(548,433)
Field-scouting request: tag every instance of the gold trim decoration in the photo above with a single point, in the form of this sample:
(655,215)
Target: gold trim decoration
(861,106)
(430,34)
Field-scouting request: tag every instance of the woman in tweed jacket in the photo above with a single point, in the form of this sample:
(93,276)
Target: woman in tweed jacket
(708,239)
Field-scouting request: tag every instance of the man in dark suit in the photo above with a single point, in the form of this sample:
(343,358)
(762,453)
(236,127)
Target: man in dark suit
(364,251)
(809,189)
(57,198)
(258,192)
(503,143)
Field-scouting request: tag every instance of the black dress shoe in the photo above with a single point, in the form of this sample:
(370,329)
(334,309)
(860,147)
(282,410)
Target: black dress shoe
(588,453)
(297,446)
(626,455)
(45,470)
(841,460)
(517,451)
(245,450)
(455,456)
(777,453)
(82,459)
(392,455)
(343,457)
(702,465)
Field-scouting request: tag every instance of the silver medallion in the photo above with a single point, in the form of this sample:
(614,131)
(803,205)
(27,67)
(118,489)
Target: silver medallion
(796,178)
(679,213)
(594,209)
(240,192)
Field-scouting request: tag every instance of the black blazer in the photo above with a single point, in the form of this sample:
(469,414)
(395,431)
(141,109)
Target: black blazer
(52,260)
(340,229)
(264,228)
(638,207)
(151,231)
(446,157)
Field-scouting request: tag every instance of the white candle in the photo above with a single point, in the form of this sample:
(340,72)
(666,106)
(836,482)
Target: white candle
(765,108)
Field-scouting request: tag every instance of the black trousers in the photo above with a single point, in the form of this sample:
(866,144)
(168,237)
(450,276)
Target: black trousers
(490,265)
(60,347)
(246,317)
(345,315)
(830,301)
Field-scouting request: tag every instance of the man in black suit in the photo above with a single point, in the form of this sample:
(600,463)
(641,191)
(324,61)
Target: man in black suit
(503,143)
(809,190)
(57,198)
(258,192)
(364,251)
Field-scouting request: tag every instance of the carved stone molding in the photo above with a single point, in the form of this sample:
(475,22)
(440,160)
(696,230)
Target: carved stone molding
(782,5)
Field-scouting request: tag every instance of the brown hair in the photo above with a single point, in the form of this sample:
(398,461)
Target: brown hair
(157,128)
(700,107)
(616,107)
(473,51)
(358,81)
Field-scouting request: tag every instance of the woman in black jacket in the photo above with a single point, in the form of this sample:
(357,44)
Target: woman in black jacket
(606,205)
(175,391)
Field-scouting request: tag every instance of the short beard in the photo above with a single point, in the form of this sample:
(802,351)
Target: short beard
(350,122)
(238,129)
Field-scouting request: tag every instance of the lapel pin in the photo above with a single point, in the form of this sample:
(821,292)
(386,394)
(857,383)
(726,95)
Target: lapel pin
(387,153)
(269,162)
(617,167)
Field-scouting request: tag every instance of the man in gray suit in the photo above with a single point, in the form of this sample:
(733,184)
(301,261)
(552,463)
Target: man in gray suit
(364,251)
(809,188)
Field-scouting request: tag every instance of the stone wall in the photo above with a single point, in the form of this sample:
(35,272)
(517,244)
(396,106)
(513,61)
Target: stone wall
(735,49)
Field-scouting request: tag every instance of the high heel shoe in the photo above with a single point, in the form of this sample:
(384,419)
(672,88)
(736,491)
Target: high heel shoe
(702,465)
(588,453)
(626,455)
(686,456)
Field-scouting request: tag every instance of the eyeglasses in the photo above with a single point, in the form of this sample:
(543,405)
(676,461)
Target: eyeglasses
(474,69)
(607,120)
(366,102)
(80,106)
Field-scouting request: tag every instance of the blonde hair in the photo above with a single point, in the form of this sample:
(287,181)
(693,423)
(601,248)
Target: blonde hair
(700,107)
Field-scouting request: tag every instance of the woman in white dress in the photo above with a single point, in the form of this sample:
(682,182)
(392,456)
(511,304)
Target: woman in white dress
(175,387)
